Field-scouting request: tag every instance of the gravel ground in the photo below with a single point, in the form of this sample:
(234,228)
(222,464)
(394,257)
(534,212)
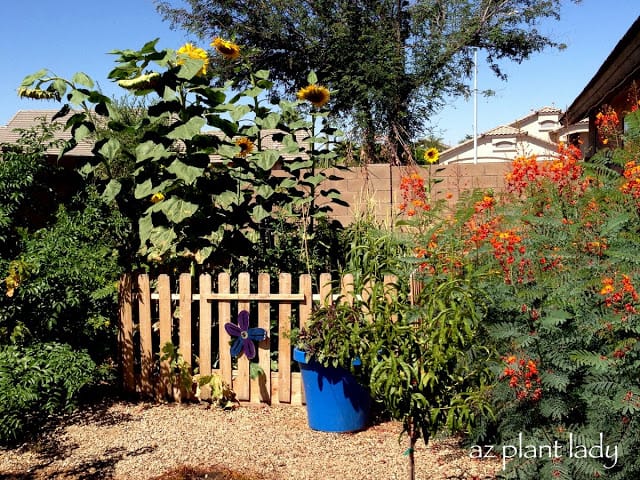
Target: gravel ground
(136,441)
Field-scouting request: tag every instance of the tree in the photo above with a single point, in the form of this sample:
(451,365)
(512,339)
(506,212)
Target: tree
(391,63)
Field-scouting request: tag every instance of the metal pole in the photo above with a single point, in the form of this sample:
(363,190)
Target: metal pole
(475,105)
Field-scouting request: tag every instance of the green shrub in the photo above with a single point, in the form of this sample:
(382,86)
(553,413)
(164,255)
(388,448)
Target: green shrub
(38,382)
(63,284)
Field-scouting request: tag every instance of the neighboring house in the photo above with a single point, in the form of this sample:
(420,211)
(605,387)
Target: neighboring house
(616,84)
(535,134)
(25,119)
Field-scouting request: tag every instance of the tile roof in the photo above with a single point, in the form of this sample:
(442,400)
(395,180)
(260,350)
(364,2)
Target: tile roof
(504,130)
(25,119)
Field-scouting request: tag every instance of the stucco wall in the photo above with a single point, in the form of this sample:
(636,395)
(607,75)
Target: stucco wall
(376,187)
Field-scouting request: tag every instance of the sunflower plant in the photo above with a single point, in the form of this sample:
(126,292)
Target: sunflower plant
(203,181)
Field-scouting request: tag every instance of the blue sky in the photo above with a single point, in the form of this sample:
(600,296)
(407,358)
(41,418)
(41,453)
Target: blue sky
(76,35)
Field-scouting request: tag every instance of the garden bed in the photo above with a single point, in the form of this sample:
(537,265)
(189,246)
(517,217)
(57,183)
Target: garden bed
(143,441)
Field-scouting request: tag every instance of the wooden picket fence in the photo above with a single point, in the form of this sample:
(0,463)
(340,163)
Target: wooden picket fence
(192,317)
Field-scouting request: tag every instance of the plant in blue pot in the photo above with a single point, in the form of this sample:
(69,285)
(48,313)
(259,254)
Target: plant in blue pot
(331,351)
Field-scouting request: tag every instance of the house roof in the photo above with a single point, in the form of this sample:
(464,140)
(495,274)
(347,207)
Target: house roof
(25,119)
(509,130)
(503,130)
(622,64)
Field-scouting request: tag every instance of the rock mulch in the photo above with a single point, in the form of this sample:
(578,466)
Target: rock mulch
(139,441)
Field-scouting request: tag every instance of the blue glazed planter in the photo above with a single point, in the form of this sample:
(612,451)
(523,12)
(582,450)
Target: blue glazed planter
(336,402)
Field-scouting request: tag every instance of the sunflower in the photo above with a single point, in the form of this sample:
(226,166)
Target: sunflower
(228,50)
(246,146)
(189,51)
(157,197)
(432,155)
(317,95)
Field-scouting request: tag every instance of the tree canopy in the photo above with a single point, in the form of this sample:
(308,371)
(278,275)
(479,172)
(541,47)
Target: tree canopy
(389,63)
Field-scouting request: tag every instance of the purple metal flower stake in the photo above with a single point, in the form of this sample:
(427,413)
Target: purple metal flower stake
(245,336)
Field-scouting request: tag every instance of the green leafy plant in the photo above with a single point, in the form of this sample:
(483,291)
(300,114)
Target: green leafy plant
(425,364)
(217,391)
(204,178)
(335,335)
(180,378)
(37,383)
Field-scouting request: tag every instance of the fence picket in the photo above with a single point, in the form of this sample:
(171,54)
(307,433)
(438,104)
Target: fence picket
(224,316)
(284,341)
(261,388)
(164,289)
(346,289)
(242,385)
(185,317)
(125,333)
(325,288)
(146,343)
(205,332)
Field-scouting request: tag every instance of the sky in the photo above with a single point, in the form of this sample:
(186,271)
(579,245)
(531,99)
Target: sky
(67,36)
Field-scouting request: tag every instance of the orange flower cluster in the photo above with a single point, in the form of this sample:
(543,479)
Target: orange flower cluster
(597,246)
(486,203)
(481,228)
(414,195)
(524,171)
(564,171)
(620,296)
(506,244)
(632,184)
(523,378)
(549,263)
(607,124)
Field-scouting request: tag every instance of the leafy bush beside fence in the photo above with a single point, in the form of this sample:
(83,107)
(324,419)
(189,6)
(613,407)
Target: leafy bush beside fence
(37,383)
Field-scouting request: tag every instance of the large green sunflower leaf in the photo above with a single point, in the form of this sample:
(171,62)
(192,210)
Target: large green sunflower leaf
(151,151)
(188,130)
(259,213)
(267,159)
(184,172)
(175,209)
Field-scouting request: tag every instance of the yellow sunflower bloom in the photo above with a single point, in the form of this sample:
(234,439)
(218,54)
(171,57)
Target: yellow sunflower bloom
(228,50)
(317,95)
(246,146)
(432,155)
(188,50)
(157,197)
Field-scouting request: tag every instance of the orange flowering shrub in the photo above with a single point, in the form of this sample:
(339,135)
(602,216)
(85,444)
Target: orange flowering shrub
(560,252)
(631,185)
(523,378)
(564,172)
(414,195)
(608,126)
(620,295)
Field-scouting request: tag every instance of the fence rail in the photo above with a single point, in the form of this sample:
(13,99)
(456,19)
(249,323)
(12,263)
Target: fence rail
(192,316)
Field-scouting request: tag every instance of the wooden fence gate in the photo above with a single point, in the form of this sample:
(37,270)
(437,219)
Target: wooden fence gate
(192,317)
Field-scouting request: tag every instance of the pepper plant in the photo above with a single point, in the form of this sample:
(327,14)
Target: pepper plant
(203,178)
